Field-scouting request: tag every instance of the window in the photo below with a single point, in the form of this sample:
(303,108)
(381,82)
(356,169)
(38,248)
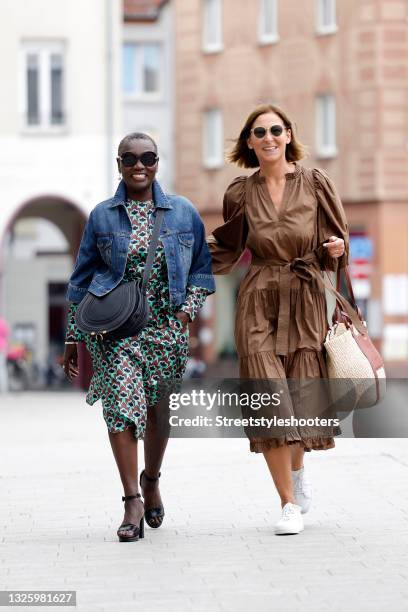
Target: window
(56,69)
(43,85)
(213,139)
(32,101)
(268,21)
(212,26)
(142,69)
(326,125)
(326,16)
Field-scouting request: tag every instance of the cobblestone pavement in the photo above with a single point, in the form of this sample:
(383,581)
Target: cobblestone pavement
(60,507)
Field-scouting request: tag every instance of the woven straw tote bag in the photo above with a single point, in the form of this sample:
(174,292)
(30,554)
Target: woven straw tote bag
(355,368)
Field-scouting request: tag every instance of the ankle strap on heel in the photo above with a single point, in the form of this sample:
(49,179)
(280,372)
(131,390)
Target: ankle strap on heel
(149,478)
(129,497)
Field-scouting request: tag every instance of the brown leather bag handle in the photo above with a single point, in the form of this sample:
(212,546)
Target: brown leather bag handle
(339,313)
(349,286)
(346,310)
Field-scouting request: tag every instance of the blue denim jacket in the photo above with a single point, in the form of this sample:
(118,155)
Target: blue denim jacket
(101,260)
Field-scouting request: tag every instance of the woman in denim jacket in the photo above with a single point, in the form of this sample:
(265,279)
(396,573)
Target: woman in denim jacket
(113,250)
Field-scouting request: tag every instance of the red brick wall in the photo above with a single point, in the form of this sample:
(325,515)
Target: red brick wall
(365,64)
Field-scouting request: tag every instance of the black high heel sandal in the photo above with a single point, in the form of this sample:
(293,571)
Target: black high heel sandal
(137,530)
(155,514)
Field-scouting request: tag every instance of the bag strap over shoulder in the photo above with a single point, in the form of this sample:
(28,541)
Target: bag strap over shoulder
(152,247)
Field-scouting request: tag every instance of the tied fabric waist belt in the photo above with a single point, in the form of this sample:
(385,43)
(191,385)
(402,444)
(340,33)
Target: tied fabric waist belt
(302,267)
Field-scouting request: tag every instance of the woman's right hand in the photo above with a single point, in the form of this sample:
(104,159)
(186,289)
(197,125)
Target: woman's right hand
(70,364)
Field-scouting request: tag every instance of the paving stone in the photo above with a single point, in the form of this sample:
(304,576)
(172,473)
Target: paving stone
(60,507)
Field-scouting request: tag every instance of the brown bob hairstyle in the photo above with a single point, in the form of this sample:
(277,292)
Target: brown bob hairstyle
(245,157)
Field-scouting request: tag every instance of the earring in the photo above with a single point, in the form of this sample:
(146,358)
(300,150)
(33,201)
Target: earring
(119,177)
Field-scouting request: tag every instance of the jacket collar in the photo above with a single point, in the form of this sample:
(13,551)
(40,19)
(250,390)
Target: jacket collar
(159,197)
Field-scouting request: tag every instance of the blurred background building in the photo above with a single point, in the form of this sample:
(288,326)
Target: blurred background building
(81,75)
(59,121)
(340,70)
(148,77)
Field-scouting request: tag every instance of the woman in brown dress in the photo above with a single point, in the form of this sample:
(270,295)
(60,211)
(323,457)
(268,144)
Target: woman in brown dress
(292,221)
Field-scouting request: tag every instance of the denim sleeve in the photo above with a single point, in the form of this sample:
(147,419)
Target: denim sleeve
(200,274)
(86,263)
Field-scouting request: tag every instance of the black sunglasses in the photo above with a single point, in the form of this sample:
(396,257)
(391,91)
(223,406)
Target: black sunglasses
(275,130)
(148,159)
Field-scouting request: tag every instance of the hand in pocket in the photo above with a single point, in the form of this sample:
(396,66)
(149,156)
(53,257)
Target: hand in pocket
(183,318)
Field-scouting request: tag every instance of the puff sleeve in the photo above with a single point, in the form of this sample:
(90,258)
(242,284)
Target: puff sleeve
(331,220)
(227,242)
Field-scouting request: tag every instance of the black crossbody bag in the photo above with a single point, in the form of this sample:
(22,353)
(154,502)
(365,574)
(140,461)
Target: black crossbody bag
(124,311)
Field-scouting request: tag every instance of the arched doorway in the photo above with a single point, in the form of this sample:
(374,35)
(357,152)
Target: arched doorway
(36,256)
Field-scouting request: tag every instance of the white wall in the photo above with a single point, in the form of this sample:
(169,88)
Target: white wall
(73,163)
(26,286)
(155,116)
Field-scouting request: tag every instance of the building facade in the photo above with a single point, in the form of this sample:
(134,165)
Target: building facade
(148,77)
(60,122)
(188,73)
(79,77)
(340,70)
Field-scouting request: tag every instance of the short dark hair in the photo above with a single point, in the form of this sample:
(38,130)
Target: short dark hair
(135,136)
(245,157)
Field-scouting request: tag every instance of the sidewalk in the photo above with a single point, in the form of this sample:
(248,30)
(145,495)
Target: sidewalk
(60,507)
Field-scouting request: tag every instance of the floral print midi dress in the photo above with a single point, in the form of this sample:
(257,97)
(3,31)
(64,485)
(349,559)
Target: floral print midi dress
(128,379)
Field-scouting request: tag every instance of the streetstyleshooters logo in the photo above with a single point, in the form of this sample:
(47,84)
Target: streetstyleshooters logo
(218,401)
(262,422)
(207,400)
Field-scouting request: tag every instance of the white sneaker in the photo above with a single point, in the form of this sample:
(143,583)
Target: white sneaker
(302,489)
(291,521)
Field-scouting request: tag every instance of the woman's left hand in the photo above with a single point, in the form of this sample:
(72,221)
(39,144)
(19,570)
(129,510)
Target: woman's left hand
(183,318)
(335,246)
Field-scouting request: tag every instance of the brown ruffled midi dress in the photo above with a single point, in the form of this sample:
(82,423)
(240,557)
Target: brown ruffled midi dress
(281,314)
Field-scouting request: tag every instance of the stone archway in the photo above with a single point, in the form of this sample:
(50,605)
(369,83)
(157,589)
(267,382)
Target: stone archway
(32,289)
